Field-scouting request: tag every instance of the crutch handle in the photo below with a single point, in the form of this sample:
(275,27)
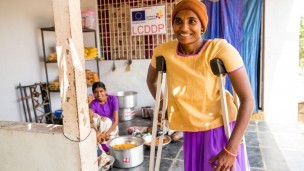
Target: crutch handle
(217,66)
(161,64)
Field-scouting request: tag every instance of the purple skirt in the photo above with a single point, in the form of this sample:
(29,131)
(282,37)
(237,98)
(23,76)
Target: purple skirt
(200,147)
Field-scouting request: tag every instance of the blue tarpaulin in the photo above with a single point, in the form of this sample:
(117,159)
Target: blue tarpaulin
(239,22)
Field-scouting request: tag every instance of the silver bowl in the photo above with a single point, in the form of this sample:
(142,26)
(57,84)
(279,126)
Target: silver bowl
(148,140)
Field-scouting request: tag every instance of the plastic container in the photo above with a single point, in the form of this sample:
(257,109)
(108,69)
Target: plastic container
(88,19)
(58,113)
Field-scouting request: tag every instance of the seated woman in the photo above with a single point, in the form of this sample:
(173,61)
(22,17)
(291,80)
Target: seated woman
(104,114)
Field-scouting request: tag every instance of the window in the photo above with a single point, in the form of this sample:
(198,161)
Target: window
(115,33)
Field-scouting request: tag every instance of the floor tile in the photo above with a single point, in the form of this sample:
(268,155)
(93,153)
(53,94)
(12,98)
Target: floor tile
(251,139)
(181,155)
(274,159)
(295,160)
(178,166)
(251,128)
(267,140)
(164,166)
(255,157)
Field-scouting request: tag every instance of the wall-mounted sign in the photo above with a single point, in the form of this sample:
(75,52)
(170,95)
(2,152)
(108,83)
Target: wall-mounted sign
(148,20)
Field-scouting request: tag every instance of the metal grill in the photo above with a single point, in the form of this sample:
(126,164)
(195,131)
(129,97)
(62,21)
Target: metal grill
(115,30)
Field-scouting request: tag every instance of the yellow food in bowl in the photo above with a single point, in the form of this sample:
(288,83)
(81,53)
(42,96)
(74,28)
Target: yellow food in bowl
(164,142)
(124,146)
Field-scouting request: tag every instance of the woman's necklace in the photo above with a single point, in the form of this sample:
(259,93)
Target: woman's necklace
(192,53)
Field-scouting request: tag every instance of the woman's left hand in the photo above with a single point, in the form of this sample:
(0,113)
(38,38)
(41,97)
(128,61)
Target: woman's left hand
(107,136)
(223,161)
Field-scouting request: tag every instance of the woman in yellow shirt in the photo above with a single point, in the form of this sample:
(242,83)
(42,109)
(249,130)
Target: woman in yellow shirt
(194,105)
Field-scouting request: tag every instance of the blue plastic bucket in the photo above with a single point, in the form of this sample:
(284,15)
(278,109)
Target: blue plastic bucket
(58,113)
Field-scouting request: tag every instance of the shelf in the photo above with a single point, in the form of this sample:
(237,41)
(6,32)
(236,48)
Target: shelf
(41,105)
(54,91)
(51,62)
(57,91)
(96,58)
(44,115)
(46,62)
(53,29)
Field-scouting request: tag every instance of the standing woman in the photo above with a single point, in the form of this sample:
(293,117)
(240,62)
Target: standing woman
(194,104)
(104,113)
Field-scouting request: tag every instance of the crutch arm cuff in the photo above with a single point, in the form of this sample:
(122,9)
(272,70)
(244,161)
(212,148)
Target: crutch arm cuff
(161,64)
(217,66)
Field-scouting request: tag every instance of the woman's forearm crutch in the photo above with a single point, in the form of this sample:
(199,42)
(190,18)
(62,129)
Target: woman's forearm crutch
(219,69)
(161,68)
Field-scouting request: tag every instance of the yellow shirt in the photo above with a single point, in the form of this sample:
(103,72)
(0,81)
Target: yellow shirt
(193,93)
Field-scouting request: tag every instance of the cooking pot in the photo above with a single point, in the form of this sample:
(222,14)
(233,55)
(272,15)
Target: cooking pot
(126,99)
(147,112)
(126,114)
(127,158)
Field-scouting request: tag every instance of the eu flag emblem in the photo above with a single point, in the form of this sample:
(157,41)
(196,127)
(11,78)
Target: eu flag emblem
(138,15)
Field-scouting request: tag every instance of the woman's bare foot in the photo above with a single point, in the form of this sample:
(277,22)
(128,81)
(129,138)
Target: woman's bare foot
(177,136)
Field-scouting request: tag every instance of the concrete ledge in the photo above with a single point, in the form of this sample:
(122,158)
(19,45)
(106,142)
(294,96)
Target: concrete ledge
(37,146)
(31,127)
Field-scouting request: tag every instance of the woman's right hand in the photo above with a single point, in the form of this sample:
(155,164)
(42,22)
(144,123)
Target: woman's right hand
(223,161)
(99,137)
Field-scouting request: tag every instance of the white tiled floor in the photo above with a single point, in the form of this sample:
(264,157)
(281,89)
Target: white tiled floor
(281,145)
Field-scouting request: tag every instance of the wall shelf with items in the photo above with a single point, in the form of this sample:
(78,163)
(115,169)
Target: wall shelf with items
(50,58)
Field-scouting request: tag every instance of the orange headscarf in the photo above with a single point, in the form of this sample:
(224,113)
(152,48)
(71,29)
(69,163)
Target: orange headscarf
(196,6)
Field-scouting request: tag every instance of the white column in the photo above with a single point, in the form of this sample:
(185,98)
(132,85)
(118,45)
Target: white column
(73,88)
(281,60)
